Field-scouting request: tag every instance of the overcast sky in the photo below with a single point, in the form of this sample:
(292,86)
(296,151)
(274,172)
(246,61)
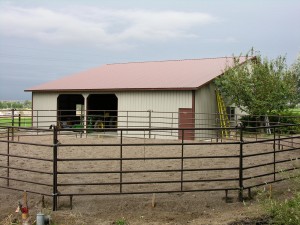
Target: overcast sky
(42,41)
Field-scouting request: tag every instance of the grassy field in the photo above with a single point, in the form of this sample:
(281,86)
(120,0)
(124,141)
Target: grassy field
(296,111)
(24,121)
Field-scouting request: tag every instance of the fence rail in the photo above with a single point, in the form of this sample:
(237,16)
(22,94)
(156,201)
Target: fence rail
(114,163)
(133,119)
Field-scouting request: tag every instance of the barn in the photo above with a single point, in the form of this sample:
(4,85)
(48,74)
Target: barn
(184,87)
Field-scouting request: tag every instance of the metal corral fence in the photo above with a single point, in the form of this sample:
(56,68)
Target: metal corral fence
(108,119)
(67,162)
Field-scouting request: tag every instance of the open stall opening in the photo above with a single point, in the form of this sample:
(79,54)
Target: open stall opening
(102,110)
(70,110)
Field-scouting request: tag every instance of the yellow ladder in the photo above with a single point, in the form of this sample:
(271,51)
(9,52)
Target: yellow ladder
(224,120)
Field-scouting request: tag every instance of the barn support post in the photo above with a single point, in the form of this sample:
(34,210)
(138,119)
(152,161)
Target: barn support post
(85,111)
(241,185)
(55,147)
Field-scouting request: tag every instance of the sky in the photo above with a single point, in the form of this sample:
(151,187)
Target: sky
(41,40)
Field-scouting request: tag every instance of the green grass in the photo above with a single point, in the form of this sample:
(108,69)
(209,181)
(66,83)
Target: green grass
(296,111)
(282,206)
(121,222)
(24,122)
(285,212)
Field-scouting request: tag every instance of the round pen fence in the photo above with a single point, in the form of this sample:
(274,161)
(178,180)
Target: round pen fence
(59,161)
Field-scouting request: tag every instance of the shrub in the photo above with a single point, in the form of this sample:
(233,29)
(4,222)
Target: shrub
(284,118)
(252,121)
(286,212)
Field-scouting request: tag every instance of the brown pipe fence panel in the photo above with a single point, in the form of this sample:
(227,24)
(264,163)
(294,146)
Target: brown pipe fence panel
(100,161)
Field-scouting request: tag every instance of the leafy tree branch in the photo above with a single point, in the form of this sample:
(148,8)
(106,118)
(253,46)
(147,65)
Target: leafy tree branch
(260,86)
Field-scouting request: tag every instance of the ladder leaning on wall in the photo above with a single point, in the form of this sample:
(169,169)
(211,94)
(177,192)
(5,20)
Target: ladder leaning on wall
(223,116)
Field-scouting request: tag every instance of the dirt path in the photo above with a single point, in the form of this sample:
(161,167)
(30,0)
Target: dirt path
(186,208)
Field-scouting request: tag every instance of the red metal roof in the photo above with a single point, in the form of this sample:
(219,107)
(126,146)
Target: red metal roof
(160,75)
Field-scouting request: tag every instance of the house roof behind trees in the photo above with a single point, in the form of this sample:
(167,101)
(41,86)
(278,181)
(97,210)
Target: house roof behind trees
(154,75)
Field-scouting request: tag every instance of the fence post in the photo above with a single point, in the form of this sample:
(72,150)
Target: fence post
(8,162)
(55,192)
(32,116)
(37,121)
(279,136)
(12,117)
(241,185)
(172,124)
(127,120)
(121,161)
(19,119)
(274,153)
(182,145)
(149,124)
(12,123)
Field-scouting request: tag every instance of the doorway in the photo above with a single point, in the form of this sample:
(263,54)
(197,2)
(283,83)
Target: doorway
(186,120)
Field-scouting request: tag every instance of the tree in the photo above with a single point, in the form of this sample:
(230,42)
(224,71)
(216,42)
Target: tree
(295,69)
(260,86)
(27,104)
(17,105)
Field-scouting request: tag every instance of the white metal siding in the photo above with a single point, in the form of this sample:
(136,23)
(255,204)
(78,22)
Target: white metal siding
(205,109)
(163,101)
(162,105)
(44,102)
(136,108)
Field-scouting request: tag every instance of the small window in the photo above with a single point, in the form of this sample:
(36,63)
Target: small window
(79,109)
(230,112)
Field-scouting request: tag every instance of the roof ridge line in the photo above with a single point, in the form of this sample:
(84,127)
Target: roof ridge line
(171,60)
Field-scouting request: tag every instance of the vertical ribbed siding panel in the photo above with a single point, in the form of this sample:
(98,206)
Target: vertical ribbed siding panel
(46,103)
(205,109)
(161,103)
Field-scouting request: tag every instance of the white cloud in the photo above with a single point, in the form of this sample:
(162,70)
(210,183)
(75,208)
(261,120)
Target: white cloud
(98,26)
(221,40)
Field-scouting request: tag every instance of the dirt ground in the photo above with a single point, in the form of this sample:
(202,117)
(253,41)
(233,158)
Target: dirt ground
(174,208)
